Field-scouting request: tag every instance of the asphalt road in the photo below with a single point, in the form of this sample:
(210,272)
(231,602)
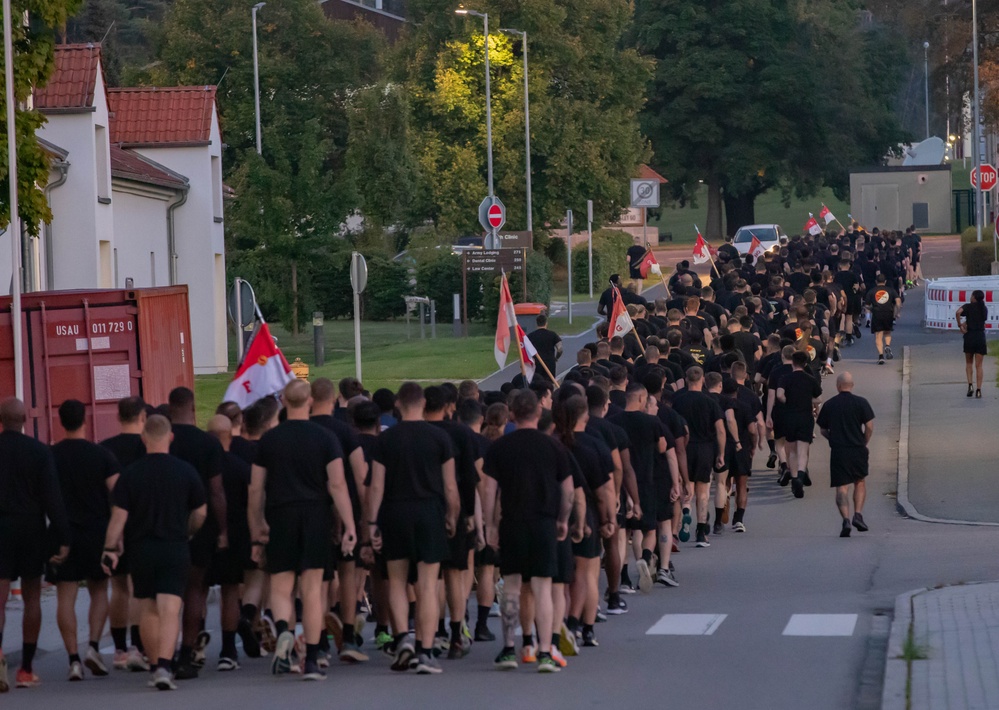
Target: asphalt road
(789,614)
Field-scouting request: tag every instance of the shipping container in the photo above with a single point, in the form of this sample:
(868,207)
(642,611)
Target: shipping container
(97,347)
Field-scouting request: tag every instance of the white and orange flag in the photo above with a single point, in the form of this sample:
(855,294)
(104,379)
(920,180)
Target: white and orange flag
(756,248)
(812,226)
(828,216)
(527,354)
(507,319)
(620,321)
(702,250)
(264,371)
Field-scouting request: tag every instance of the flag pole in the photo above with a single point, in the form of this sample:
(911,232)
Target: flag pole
(520,351)
(661,277)
(543,365)
(638,338)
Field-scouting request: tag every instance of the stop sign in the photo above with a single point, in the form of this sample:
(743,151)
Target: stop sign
(495,215)
(989,177)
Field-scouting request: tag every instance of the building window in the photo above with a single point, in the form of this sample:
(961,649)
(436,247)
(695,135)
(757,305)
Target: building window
(217,187)
(102,155)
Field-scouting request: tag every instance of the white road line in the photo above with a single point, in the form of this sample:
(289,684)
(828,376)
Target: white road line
(687,625)
(821,625)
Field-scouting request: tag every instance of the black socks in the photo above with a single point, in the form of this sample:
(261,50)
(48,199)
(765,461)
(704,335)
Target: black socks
(119,636)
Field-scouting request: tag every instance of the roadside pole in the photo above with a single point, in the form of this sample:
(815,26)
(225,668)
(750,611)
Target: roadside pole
(358,280)
(589,239)
(568,243)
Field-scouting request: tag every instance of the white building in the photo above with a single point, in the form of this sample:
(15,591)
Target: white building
(136,194)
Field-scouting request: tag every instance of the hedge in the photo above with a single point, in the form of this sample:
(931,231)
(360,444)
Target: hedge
(609,249)
(383,297)
(977,257)
(439,278)
(970,235)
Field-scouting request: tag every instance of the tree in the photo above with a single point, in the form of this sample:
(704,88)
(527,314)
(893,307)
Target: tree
(585,89)
(764,94)
(97,22)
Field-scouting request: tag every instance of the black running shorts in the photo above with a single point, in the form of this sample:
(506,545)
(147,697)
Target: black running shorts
(740,462)
(84,562)
(22,548)
(847,465)
(799,427)
(159,567)
(700,461)
(882,323)
(300,537)
(459,546)
(566,565)
(528,548)
(647,495)
(664,506)
(414,531)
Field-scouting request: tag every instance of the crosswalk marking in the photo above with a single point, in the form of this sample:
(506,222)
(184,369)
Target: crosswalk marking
(821,625)
(686,625)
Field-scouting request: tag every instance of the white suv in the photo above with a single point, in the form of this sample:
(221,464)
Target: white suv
(771,236)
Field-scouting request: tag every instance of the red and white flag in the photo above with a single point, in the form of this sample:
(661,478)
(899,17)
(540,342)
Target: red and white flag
(828,216)
(527,354)
(264,371)
(506,320)
(756,248)
(812,226)
(620,321)
(702,250)
(645,266)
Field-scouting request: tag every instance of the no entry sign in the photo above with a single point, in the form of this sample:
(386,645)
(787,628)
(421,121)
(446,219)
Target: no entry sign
(492,214)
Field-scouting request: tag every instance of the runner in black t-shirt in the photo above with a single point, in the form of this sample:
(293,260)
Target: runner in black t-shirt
(532,474)
(884,303)
(204,452)
(851,285)
(775,411)
(799,393)
(412,509)
(751,409)
(29,493)
(123,611)
(847,421)
(299,467)
(355,470)
(159,503)
(87,473)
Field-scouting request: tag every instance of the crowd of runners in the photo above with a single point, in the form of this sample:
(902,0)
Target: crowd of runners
(330,509)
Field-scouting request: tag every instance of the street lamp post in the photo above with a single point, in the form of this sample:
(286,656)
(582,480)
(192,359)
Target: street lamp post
(489,108)
(527,129)
(979,207)
(926,83)
(256,77)
(13,229)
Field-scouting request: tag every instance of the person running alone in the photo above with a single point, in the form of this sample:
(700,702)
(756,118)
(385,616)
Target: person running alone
(847,421)
(159,504)
(975,314)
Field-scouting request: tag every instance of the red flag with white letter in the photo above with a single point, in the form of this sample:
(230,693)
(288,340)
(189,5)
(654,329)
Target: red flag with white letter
(702,250)
(527,353)
(506,319)
(812,226)
(264,371)
(620,321)
(648,261)
(828,216)
(756,249)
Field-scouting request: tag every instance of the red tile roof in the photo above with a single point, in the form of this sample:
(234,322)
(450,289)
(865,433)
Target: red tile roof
(179,115)
(647,173)
(129,165)
(74,80)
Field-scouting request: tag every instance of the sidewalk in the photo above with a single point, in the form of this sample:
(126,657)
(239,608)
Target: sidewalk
(942,654)
(951,466)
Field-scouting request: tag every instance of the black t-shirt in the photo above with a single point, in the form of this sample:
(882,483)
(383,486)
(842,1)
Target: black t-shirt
(545,342)
(800,388)
(29,485)
(661,470)
(367,442)
(159,492)
(198,448)
(744,417)
(975,314)
(84,468)
(296,454)
(529,467)
(674,423)
(244,449)
(413,454)
(466,453)
(644,432)
(799,281)
(635,255)
(747,344)
(348,444)
(700,412)
(596,467)
(236,483)
(613,436)
(766,365)
(881,300)
(849,281)
(126,448)
(844,416)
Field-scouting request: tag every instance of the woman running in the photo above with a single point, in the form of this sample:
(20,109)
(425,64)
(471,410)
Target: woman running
(975,314)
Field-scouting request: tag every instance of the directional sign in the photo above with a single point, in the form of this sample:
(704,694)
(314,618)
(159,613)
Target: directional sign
(491,261)
(358,272)
(492,214)
(247,308)
(644,192)
(989,177)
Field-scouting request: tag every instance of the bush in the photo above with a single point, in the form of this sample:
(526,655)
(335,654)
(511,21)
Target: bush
(609,248)
(385,295)
(539,286)
(439,278)
(554,249)
(330,274)
(977,257)
(970,235)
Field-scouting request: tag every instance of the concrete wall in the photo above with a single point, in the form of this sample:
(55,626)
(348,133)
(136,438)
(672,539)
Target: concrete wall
(140,229)
(891,198)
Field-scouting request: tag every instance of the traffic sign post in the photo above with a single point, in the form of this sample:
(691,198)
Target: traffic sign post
(358,280)
(568,241)
(989,177)
(242,311)
(492,217)
(645,194)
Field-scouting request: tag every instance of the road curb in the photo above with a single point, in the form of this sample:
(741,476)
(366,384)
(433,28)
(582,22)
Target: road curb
(893,695)
(902,502)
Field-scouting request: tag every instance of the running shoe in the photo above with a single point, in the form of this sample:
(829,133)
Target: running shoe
(772,460)
(805,478)
(323,659)
(120,660)
(858,522)
(351,653)
(494,611)
(717,528)
(527,655)
(27,679)
(312,671)
(459,648)
(627,588)
(889,355)
(383,639)
(482,633)
(797,488)
(334,627)
(227,664)
(442,644)
(739,527)
(547,664)
(162,680)
(559,658)
(465,631)
(685,525)
(75,671)
(702,539)
(567,643)
(881,360)
(281,663)
(4,682)
(267,632)
(428,665)
(617,607)
(185,669)
(506,660)
(405,655)
(785,475)
(845,530)
(589,639)
(136,661)
(95,662)
(644,576)
(251,644)
(666,578)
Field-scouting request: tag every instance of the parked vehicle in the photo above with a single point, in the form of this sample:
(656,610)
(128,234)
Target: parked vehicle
(771,236)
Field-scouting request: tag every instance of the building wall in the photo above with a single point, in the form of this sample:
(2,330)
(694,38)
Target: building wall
(200,244)
(889,198)
(140,228)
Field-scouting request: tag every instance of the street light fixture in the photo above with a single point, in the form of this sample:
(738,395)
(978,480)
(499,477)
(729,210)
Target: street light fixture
(926,83)
(489,107)
(256,77)
(527,126)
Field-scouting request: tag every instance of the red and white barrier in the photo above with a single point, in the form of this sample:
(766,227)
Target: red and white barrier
(945,296)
